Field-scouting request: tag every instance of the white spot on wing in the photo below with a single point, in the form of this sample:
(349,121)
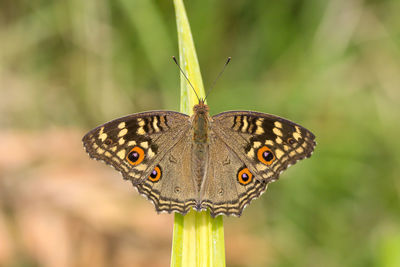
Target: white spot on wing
(250,154)
(141,167)
(269,142)
(278,124)
(150,153)
(131,143)
(261,167)
(245,124)
(155,127)
(121,154)
(277,132)
(144,144)
(279,153)
(121,125)
(122,132)
(296,136)
(140,131)
(141,122)
(103,137)
(259,130)
(256,144)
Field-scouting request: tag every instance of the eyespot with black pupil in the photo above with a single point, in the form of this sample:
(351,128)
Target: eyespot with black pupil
(265,155)
(291,141)
(155,174)
(135,156)
(244,176)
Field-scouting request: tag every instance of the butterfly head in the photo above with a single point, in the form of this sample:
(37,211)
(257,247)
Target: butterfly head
(200,108)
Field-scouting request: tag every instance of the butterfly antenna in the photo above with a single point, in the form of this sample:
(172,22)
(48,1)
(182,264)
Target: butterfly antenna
(187,79)
(219,75)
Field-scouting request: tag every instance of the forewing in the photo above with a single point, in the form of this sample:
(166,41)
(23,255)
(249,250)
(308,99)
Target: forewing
(149,134)
(266,144)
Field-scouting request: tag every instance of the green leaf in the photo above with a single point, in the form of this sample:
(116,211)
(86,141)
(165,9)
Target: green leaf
(198,239)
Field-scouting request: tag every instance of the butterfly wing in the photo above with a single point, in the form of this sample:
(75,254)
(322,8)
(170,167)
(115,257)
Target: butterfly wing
(139,146)
(223,190)
(259,146)
(175,191)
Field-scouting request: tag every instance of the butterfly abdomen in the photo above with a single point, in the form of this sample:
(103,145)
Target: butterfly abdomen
(200,154)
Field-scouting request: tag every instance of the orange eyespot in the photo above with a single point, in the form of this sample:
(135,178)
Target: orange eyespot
(265,155)
(244,176)
(155,175)
(135,156)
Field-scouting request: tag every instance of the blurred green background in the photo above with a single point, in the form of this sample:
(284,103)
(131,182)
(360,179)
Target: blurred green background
(332,66)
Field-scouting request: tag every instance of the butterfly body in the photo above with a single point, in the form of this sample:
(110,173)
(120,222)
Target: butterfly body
(200,147)
(219,163)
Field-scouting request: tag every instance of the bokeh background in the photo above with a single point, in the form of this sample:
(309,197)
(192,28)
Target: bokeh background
(332,66)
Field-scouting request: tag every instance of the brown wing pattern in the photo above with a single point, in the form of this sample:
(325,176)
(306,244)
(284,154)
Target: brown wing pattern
(247,151)
(246,132)
(222,193)
(175,191)
(263,143)
(145,138)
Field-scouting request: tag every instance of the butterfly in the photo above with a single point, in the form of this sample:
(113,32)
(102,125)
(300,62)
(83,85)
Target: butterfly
(218,163)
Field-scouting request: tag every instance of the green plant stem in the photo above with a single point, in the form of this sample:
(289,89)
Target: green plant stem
(198,239)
